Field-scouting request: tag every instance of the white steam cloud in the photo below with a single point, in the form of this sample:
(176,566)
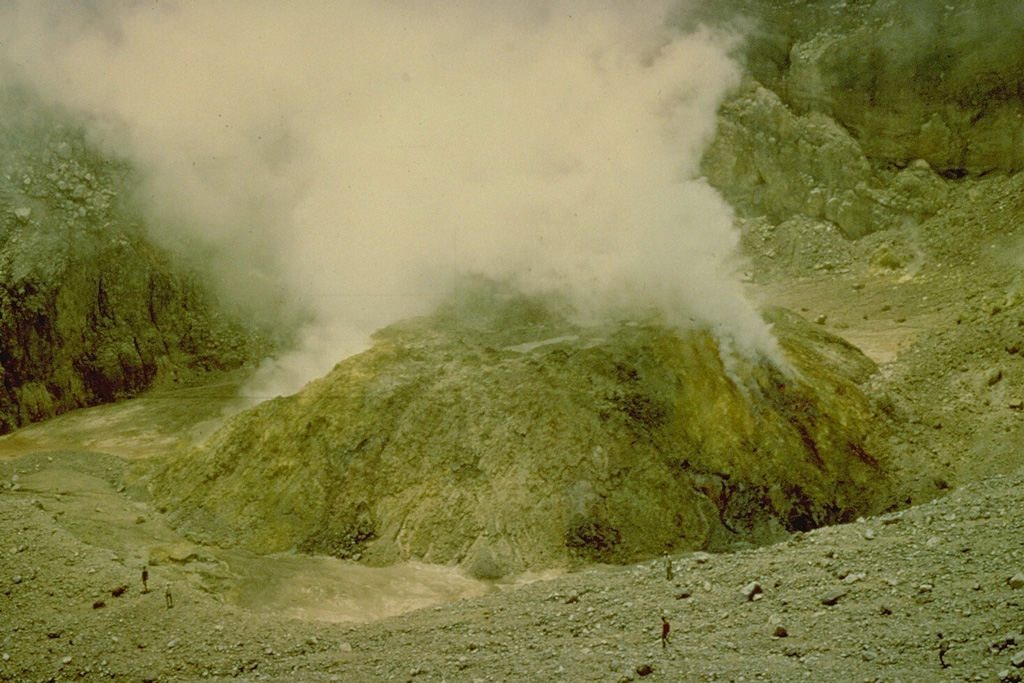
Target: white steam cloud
(353,158)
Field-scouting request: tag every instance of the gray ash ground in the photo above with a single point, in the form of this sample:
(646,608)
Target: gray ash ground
(931,593)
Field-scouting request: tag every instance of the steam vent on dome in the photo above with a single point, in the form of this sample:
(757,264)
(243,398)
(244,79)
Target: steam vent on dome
(498,435)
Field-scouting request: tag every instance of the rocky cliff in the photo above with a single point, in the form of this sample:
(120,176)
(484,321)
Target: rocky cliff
(858,113)
(513,439)
(90,310)
(934,81)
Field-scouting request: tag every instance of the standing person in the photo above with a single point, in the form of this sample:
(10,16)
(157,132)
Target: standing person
(145,578)
(167,596)
(664,632)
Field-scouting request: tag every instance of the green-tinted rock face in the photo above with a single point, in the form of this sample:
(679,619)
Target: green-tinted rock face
(767,160)
(537,445)
(938,81)
(933,81)
(90,310)
(860,114)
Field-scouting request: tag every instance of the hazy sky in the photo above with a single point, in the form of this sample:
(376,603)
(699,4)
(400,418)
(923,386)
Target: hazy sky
(355,157)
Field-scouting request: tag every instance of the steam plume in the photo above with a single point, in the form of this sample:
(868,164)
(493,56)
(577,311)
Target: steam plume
(353,158)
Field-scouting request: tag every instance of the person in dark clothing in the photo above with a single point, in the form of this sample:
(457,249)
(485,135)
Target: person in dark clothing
(664,632)
(145,579)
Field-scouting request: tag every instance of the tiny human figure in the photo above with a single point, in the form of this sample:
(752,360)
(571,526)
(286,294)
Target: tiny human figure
(167,596)
(668,568)
(145,579)
(943,647)
(664,632)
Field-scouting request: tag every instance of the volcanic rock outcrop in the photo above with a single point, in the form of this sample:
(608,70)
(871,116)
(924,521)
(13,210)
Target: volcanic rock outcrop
(90,310)
(855,114)
(513,439)
(939,82)
(768,160)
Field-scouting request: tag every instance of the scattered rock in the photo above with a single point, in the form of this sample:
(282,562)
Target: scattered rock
(831,597)
(484,565)
(751,591)
(1016,582)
